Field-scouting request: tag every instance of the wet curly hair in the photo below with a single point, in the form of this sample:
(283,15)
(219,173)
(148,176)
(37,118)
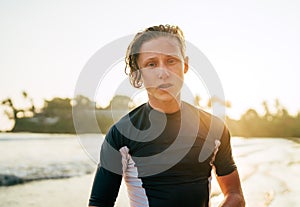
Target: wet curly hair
(149,33)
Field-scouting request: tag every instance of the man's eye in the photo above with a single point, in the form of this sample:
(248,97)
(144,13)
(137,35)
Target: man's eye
(151,64)
(172,61)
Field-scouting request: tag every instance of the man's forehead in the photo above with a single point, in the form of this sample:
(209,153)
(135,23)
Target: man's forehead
(153,53)
(160,44)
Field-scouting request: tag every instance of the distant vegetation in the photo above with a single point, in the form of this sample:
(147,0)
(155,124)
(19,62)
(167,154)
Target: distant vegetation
(56,117)
(278,124)
(56,114)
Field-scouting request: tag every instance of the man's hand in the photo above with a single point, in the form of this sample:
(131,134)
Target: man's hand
(231,189)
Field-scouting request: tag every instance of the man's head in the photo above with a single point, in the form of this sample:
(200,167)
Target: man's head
(133,50)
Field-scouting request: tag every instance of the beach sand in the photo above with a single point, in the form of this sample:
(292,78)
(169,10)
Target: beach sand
(48,193)
(61,192)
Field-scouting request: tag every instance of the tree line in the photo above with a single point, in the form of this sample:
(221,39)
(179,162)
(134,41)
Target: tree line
(56,114)
(277,124)
(56,117)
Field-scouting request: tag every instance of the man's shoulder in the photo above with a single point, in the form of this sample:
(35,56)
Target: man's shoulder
(128,120)
(201,112)
(207,119)
(134,114)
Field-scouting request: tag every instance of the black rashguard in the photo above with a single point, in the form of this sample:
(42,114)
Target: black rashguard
(165,159)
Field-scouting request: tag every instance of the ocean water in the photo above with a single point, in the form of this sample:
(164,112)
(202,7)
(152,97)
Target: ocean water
(269,169)
(40,156)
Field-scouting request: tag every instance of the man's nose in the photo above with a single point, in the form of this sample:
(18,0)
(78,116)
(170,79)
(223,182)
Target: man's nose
(163,73)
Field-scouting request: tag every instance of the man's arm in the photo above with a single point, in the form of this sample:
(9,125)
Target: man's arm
(105,188)
(231,188)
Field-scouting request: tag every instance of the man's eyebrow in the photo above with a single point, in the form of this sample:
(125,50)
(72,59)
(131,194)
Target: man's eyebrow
(162,53)
(174,56)
(150,58)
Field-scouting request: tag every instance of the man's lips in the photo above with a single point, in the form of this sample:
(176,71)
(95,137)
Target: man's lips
(165,86)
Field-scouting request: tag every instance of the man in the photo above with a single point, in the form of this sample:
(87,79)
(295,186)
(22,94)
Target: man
(156,147)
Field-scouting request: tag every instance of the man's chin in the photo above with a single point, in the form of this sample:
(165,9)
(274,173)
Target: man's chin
(166,97)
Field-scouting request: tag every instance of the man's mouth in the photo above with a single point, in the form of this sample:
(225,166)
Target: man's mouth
(165,86)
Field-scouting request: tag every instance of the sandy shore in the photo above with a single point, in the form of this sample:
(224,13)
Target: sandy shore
(61,192)
(48,193)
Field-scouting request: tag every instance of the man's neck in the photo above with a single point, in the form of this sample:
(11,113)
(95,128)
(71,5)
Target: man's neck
(167,107)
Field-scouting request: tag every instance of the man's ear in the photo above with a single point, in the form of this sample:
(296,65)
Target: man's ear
(186,64)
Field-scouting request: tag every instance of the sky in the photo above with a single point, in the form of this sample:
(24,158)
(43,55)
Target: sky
(253,45)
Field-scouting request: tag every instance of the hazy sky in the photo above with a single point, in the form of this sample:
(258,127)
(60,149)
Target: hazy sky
(253,45)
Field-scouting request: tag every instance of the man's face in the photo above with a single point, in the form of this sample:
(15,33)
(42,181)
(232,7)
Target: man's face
(162,66)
